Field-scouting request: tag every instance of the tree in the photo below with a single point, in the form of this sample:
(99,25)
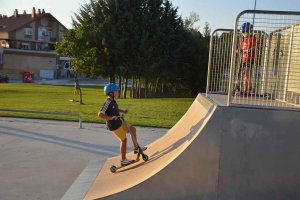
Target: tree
(133,38)
(83,58)
(144,40)
(206,30)
(191,20)
(196,59)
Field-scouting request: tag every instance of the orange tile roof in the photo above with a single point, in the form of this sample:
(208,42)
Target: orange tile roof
(12,23)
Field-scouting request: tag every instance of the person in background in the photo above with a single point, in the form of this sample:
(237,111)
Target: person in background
(248,51)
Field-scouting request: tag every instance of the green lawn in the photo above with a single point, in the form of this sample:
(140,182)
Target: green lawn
(162,112)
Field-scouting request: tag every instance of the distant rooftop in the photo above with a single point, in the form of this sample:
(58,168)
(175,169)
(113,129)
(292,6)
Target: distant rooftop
(17,20)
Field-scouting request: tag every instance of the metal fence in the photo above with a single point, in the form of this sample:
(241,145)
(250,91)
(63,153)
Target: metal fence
(264,62)
(219,61)
(46,113)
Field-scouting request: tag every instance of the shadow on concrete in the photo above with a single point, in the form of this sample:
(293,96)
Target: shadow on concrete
(74,144)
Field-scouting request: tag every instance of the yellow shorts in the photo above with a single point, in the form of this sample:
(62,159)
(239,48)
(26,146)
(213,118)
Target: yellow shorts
(121,132)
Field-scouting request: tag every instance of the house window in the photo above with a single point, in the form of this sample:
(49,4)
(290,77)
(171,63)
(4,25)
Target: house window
(50,35)
(61,34)
(25,45)
(67,65)
(42,33)
(1,60)
(28,32)
(42,46)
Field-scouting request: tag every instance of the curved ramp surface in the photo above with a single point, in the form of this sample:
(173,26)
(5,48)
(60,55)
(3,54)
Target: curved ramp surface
(213,153)
(158,171)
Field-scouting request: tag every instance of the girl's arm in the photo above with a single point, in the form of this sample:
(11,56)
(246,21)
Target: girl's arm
(104,116)
(124,111)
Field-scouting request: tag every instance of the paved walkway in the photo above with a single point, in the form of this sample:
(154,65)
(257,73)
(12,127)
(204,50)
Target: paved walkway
(40,159)
(70,81)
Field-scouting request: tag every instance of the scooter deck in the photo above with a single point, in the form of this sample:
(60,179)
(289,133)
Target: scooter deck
(114,168)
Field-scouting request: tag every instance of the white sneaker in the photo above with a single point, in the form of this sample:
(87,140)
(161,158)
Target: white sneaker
(126,162)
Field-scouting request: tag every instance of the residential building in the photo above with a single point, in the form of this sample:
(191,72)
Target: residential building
(28,43)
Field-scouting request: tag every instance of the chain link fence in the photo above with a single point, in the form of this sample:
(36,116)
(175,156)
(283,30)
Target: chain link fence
(257,63)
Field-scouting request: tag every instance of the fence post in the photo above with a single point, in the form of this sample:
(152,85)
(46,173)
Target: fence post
(80,122)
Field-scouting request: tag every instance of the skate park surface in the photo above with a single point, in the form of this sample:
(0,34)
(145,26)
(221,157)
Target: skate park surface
(214,152)
(40,159)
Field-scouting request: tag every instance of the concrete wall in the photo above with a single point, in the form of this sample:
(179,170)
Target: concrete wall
(15,62)
(259,154)
(281,60)
(293,84)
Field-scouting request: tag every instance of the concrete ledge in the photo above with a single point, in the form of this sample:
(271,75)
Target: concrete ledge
(81,185)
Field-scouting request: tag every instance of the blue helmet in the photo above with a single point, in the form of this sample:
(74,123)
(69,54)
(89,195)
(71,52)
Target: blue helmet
(246,27)
(111,87)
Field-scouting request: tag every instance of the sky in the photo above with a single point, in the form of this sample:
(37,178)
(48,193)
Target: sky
(218,13)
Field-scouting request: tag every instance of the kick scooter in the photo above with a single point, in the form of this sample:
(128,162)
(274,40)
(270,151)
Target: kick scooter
(114,168)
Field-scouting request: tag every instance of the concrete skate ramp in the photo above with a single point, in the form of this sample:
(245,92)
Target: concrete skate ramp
(214,153)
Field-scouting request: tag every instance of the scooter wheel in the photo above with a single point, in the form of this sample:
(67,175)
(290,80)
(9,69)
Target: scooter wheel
(145,157)
(113,169)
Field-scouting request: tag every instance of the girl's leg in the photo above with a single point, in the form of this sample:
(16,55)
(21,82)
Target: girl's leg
(134,139)
(250,89)
(247,80)
(133,136)
(123,146)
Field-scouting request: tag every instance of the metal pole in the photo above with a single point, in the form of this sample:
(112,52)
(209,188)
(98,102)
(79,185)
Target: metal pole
(254,12)
(287,73)
(233,60)
(209,63)
(80,122)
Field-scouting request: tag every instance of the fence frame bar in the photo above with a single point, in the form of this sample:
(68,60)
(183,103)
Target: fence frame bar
(47,113)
